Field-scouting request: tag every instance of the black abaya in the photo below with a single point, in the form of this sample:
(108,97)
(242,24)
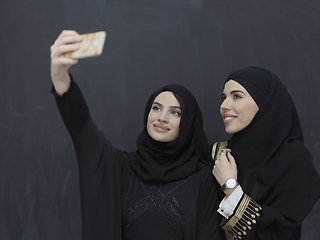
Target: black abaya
(275,170)
(117,203)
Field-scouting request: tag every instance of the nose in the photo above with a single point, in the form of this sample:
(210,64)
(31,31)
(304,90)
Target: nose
(225,105)
(163,117)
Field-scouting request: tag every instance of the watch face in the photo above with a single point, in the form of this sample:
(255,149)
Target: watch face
(231,183)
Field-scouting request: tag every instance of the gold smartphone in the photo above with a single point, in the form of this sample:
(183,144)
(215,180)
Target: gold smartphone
(91,45)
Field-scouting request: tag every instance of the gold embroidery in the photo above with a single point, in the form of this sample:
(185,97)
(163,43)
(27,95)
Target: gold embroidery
(241,222)
(216,149)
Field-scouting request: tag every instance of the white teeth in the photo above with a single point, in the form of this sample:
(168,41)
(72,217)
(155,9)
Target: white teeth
(228,118)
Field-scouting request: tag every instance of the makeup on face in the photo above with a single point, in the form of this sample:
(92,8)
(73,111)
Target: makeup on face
(164,118)
(238,107)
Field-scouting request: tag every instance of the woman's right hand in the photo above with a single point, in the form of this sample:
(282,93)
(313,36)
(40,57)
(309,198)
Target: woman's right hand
(225,167)
(68,41)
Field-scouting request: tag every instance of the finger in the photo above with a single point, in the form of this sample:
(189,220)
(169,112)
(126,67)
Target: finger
(70,39)
(225,150)
(68,36)
(64,61)
(69,32)
(67,40)
(231,159)
(223,155)
(60,50)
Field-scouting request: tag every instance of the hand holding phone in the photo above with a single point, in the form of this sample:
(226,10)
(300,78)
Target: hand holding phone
(91,46)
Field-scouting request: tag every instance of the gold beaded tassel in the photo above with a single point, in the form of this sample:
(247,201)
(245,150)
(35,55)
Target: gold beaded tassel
(243,219)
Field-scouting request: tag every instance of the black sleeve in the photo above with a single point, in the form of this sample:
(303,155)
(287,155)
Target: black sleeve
(72,107)
(209,219)
(101,168)
(251,221)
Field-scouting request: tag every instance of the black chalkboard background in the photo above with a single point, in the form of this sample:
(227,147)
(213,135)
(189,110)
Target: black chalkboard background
(150,43)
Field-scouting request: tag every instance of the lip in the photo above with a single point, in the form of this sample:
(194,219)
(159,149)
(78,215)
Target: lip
(161,128)
(228,118)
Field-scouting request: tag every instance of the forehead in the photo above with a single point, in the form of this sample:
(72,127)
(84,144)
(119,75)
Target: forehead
(232,85)
(167,98)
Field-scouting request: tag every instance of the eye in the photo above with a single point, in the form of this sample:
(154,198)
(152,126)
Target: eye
(236,96)
(176,113)
(223,97)
(156,108)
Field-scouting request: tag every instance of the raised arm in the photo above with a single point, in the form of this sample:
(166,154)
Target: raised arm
(68,41)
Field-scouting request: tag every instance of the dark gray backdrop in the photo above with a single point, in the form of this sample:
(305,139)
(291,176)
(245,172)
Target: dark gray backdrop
(150,43)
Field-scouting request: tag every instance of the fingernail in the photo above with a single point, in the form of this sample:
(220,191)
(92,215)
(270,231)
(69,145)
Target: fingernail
(222,151)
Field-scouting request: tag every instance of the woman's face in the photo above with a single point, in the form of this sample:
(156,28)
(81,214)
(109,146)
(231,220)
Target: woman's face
(238,107)
(164,118)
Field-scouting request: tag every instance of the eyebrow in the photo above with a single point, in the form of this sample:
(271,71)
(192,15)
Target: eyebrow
(234,91)
(169,107)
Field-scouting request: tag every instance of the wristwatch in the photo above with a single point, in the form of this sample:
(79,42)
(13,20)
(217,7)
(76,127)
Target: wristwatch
(230,183)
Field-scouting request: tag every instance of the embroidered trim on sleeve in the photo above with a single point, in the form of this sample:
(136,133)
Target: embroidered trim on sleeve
(243,219)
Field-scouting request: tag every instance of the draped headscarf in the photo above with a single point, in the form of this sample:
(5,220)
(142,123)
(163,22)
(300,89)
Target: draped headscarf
(274,167)
(170,161)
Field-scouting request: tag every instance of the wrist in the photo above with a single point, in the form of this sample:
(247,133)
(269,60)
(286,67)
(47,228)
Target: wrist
(229,186)
(61,83)
(62,77)
(229,191)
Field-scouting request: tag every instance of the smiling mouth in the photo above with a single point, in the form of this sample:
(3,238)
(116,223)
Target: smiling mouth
(161,128)
(228,119)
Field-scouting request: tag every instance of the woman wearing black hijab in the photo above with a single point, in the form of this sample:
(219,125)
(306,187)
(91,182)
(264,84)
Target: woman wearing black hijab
(165,189)
(277,183)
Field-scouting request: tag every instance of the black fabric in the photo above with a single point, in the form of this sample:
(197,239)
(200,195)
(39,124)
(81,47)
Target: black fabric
(163,162)
(274,167)
(117,204)
(255,81)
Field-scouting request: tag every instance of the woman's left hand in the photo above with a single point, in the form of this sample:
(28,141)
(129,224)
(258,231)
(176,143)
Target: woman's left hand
(225,167)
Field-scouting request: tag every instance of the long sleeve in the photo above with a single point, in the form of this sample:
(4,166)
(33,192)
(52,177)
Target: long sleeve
(101,168)
(72,107)
(244,219)
(251,219)
(240,213)
(208,217)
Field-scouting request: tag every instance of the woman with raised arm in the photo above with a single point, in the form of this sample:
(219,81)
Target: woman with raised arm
(266,172)
(163,190)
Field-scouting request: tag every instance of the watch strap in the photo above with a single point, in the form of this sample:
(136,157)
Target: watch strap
(224,186)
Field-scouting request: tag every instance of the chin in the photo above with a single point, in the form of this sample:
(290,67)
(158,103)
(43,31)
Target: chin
(230,131)
(157,138)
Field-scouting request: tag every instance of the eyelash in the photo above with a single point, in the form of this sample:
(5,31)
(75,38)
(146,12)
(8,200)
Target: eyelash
(235,96)
(174,112)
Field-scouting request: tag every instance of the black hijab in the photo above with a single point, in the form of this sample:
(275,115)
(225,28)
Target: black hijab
(171,161)
(274,167)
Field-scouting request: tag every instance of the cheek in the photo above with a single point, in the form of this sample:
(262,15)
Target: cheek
(250,112)
(150,117)
(177,124)
(149,121)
